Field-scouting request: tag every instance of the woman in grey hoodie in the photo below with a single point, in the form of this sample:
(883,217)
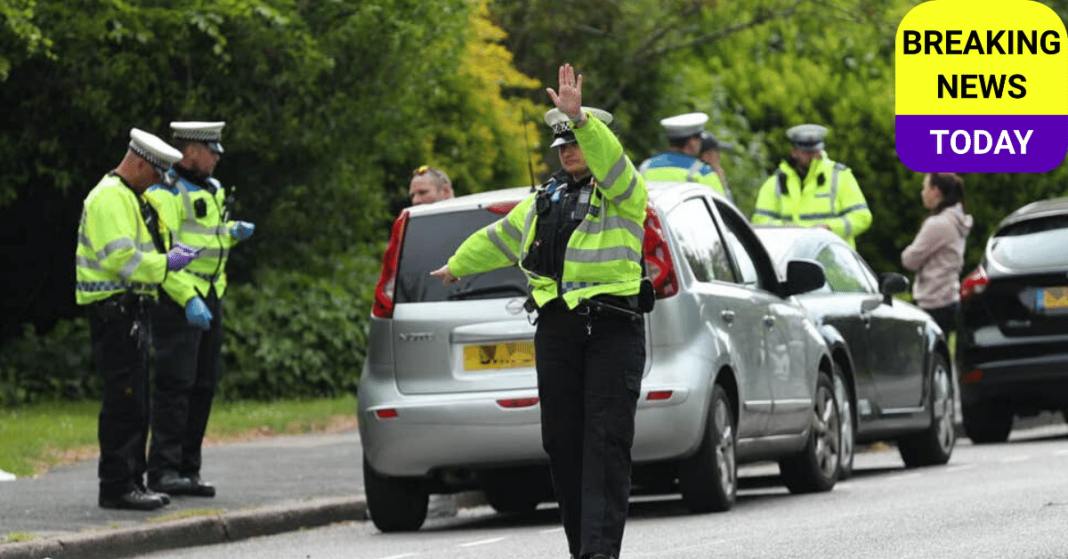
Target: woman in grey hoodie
(937,252)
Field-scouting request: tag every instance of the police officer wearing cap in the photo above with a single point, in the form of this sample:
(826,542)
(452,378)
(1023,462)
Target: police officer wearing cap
(710,153)
(578,238)
(810,190)
(120,261)
(188,322)
(682,160)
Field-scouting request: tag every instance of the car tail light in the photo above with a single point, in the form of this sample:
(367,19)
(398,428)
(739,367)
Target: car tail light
(658,395)
(387,281)
(658,264)
(502,207)
(386,413)
(974,284)
(971,376)
(517,402)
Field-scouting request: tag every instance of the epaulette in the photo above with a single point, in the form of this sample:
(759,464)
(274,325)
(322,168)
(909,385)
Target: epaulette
(841,166)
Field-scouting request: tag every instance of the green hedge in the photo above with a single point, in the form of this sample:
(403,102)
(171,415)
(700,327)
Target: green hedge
(288,335)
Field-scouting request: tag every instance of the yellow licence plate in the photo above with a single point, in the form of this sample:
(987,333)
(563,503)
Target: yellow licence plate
(1052,298)
(507,355)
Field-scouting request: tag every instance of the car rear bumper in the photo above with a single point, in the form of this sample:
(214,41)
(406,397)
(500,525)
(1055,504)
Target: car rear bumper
(1022,383)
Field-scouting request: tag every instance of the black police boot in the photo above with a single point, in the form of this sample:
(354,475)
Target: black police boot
(171,483)
(134,499)
(199,487)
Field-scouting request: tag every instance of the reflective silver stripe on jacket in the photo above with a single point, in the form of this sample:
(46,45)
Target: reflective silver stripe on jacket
(692,173)
(600,255)
(97,286)
(592,227)
(495,238)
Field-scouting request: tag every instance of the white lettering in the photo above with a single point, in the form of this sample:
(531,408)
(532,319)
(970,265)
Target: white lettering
(1023,140)
(967,142)
(979,134)
(1004,140)
(939,134)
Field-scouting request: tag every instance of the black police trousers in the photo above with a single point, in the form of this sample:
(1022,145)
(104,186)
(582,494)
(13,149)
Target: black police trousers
(589,369)
(121,336)
(188,360)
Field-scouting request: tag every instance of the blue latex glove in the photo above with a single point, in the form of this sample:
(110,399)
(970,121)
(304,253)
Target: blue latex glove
(197,313)
(179,257)
(242,230)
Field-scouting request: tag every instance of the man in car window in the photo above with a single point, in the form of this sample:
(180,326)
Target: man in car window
(579,241)
(429,185)
(682,161)
(809,189)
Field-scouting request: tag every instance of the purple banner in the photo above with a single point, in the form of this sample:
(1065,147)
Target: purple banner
(981,143)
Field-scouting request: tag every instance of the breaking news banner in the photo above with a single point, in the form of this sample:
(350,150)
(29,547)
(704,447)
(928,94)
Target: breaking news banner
(981,86)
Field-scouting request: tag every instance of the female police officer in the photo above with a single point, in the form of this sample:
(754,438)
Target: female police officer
(579,241)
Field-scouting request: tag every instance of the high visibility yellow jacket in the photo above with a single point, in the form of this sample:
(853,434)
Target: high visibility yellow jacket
(193,213)
(603,255)
(115,251)
(830,196)
(674,166)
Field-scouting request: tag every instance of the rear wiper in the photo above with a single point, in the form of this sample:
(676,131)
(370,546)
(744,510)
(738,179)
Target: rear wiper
(493,289)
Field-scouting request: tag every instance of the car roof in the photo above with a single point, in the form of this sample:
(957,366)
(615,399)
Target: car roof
(803,242)
(1041,208)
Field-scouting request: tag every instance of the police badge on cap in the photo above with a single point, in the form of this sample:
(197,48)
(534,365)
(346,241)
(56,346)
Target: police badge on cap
(562,133)
(208,132)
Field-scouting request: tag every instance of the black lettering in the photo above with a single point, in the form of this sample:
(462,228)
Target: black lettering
(944,84)
(1021,41)
(994,42)
(967,81)
(1051,47)
(953,41)
(912,42)
(995,84)
(1021,90)
(932,40)
(974,43)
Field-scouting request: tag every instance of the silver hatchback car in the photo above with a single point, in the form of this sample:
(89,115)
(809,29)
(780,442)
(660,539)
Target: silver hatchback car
(735,370)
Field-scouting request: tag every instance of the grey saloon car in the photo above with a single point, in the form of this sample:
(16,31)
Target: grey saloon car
(736,371)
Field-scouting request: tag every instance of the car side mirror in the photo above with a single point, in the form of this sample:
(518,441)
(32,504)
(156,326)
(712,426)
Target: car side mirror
(803,275)
(892,283)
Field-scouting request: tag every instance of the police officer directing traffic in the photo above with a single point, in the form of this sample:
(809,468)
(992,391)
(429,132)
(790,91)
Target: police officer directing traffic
(578,239)
(120,261)
(811,190)
(188,322)
(682,161)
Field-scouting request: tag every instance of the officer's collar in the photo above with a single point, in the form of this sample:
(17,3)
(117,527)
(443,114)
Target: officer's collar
(191,175)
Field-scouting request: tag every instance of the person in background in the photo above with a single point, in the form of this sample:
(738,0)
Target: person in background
(578,238)
(710,154)
(811,190)
(429,185)
(120,261)
(188,322)
(681,162)
(937,252)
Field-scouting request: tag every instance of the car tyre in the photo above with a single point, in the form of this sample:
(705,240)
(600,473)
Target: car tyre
(986,423)
(848,426)
(396,504)
(708,480)
(514,491)
(815,469)
(934,445)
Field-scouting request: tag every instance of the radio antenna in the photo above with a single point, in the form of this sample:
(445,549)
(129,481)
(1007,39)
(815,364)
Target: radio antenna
(530,158)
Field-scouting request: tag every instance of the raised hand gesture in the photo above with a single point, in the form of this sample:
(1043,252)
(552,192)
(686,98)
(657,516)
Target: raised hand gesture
(569,100)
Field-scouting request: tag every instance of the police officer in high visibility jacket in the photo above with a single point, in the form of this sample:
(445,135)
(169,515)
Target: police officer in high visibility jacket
(188,322)
(809,189)
(579,241)
(682,161)
(120,261)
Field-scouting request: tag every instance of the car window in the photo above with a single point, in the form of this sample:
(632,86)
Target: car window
(428,242)
(750,259)
(701,244)
(869,276)
(843,272)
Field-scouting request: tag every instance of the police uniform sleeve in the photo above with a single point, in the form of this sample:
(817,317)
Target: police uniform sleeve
(618,180)
(496,245)
(178,285)
(854,216)
(767,208)
(113,220)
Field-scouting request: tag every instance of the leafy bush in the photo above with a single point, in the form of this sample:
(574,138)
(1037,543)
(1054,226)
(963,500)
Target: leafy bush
(39,367)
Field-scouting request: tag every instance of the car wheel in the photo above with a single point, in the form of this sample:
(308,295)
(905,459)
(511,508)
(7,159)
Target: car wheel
(934,445)
(515,491)
(708,480)
(986,423)
(847,424)
(816,467)
(396,504)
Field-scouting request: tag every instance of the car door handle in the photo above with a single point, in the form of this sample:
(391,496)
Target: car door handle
(728,316)
(769,320)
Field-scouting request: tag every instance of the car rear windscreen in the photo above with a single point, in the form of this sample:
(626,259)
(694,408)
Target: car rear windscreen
(429,241)
(1035,243)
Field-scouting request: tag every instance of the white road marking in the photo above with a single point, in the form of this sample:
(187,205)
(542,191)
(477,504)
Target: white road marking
(481,542)
(1012,459)
(1060,452)
(399,556)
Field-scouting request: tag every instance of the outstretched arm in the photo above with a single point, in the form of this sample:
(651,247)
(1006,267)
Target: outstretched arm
(569,100)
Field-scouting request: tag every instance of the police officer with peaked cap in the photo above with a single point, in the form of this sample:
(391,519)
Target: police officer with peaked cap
(811,190)
(682,160)
(587,287)
(711,148)
(188,321)
(120,261)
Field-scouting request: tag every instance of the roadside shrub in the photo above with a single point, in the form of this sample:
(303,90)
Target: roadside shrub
(40,367)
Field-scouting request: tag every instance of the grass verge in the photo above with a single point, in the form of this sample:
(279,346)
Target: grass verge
(35,438)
